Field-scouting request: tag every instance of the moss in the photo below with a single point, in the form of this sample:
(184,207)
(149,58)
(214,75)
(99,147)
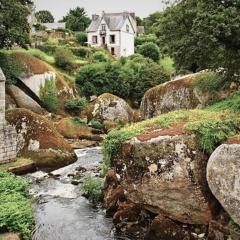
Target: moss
(19,163)
(211,129)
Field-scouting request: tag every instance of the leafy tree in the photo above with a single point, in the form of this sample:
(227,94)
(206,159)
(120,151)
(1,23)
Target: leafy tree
(81,38)
(77,20)
(150,50)
(150,21)
(63,58)
(139,21)
(44,16)
(201,34)
(14,27)
(139,40)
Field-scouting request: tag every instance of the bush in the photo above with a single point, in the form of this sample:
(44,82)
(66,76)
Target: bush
(209,81)
(75,105)
(92,187)
(128,78)
(11,68)
(95,124)
(100,57)
(82,52)
(47,48)
(140,40)
(15,209)
(150,50)
(63,58)
(48,94)
(81,38)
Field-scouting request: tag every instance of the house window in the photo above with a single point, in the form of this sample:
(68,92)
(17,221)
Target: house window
(103,27)
(94,39)
(112,39)
(113,51)
(127,28)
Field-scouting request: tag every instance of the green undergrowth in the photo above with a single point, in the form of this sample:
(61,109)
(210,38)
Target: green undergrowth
(211,128)
(15,208)
(232,104)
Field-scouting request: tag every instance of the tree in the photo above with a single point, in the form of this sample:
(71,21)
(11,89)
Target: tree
(44,16)
(14,27)
(150,21)
(77,20)
(81,38)
(150,50)
(201,34)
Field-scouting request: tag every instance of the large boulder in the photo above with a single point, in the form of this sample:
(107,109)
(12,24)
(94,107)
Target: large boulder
(108,107)
(164,170)
(180,93)
(38,139)
(223,175)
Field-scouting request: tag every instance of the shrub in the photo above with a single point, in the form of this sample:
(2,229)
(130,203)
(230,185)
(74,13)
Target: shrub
(81,38)
(92,187)
(75,105)
(15,209)
(100,57)
(47,48)
(150,50)
(63,58)
(95,124)
(82,52)
(78,121)
(48,94)
(209,81)
(140,40)
(11,68)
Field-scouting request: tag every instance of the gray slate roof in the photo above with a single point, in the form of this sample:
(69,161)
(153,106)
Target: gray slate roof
(114,21)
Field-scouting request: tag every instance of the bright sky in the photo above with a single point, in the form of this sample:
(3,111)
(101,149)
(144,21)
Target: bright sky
(59,8)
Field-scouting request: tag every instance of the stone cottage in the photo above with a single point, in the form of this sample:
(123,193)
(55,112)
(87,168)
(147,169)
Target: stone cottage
(113,31)
(8,136)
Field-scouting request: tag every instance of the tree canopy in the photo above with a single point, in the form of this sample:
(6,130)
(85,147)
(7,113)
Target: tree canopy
(14,27)
(44,16)
(77,20)
(201,34)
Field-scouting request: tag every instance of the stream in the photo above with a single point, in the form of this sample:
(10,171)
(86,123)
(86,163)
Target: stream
(61,212)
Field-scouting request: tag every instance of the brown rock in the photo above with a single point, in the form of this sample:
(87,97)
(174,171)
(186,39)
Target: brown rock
(10,236)
(163,228)
(217,231)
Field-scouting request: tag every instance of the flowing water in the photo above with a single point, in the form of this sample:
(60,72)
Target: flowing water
(61,212)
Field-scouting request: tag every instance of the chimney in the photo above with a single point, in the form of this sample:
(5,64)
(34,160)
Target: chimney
(133,15)
(95,17)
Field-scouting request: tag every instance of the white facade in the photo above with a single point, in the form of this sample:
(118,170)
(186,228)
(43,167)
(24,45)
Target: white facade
(116,36)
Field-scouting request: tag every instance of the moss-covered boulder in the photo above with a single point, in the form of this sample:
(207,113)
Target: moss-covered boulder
(73,128)
(173,95)
(108,107)
(38,139)
(223,174)
(162,161)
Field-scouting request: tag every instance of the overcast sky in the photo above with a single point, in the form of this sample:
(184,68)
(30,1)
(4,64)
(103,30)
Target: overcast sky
(59,8)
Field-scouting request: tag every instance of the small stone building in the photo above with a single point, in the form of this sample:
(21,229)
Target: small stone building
(8,135)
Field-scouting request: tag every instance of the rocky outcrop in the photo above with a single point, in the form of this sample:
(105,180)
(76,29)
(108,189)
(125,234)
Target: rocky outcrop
(164,170)
(173,95)
(223,175)
(38,139)
(108,107)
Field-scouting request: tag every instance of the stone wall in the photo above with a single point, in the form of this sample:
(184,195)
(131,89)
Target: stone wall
(8,136)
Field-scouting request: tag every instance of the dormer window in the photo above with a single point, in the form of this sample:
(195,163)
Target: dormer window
(103,27)
(127,28)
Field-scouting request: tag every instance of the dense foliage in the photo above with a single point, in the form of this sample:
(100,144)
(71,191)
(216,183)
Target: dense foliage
(63,58)
(100,57)
(15,209)
(81,38)
(149,50)
(127,78)
(48,94)
(140,40)
(75,105)
(77,20)
(14,27)
(11,68)
(201,34)
(44,16)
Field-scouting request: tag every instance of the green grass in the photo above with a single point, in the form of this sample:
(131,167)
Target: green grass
(211,129)
(168,65)
(20,162)
(232,104)
(16,213)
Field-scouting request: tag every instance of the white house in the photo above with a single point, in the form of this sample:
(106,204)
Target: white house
(113,31)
